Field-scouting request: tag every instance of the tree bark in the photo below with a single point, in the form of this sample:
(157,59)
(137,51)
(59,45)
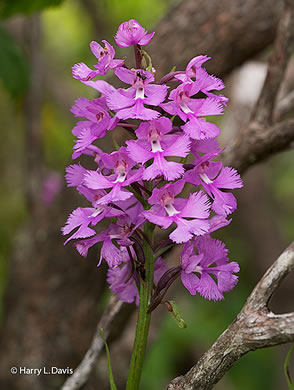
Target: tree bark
(254,327)
(230,31)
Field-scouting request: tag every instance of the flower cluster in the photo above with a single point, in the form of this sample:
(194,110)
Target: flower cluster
(171,152)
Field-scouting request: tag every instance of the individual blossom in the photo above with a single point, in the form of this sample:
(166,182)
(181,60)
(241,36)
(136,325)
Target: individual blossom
(190,215)
(97,123)
(123,175)
(192,111)
(208,271)
(152,136)
(116,236)
(105,56)
(214,177)
(130,103)
(82,217)
(132,33)
(194,71)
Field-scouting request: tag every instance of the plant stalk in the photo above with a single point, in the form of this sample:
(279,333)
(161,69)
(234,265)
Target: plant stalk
(143,321)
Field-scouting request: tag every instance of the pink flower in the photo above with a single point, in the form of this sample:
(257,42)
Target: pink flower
(194,71)
(214,177)
(211,260)
(130,103)
(132,33)
(190,215)
(192,110)
(97,123)
(153,135)
(105,56)
(122,177)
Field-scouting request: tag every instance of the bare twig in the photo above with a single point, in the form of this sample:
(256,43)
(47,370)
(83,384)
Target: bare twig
(277,65)
(254,327)
(284,106)
(261,138)
(82,372)
(255,144)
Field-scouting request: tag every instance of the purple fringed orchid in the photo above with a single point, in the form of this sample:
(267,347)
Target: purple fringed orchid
(194,71)
(192,111)
(170,170)
(105,56)
(123,175)
(199,270)
(130,103)
(141,185)
(132,33)
(214,177)
(190,215)
(97,123)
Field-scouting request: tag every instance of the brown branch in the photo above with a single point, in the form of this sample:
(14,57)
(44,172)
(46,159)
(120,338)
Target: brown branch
(277,65)
(230,31)
(261,138)
(254,144)
(108,321)
(254,327)
(284,106)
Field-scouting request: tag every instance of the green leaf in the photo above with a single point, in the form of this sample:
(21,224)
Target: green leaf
(116,145)
(12,7)
(183,160)
(109,369)
(14,69)
(286,369)
(175,312)
(149,66)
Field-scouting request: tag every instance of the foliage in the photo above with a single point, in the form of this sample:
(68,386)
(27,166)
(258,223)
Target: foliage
(14,71)
(12,7)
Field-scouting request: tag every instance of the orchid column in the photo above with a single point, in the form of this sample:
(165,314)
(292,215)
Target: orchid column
(140,185)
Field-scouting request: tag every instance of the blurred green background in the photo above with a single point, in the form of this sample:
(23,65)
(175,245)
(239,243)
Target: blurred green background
(67,28)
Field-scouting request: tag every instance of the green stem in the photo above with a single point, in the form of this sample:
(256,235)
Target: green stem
(143,317)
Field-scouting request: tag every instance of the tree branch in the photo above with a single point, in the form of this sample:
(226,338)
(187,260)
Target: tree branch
(284,106)
(277,65)
(261,138)
(254,327)
(255,144)
(190,28)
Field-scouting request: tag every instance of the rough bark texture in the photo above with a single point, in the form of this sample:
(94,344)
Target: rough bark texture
(254,144)
(254,327)
(230,31)
(262,138)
